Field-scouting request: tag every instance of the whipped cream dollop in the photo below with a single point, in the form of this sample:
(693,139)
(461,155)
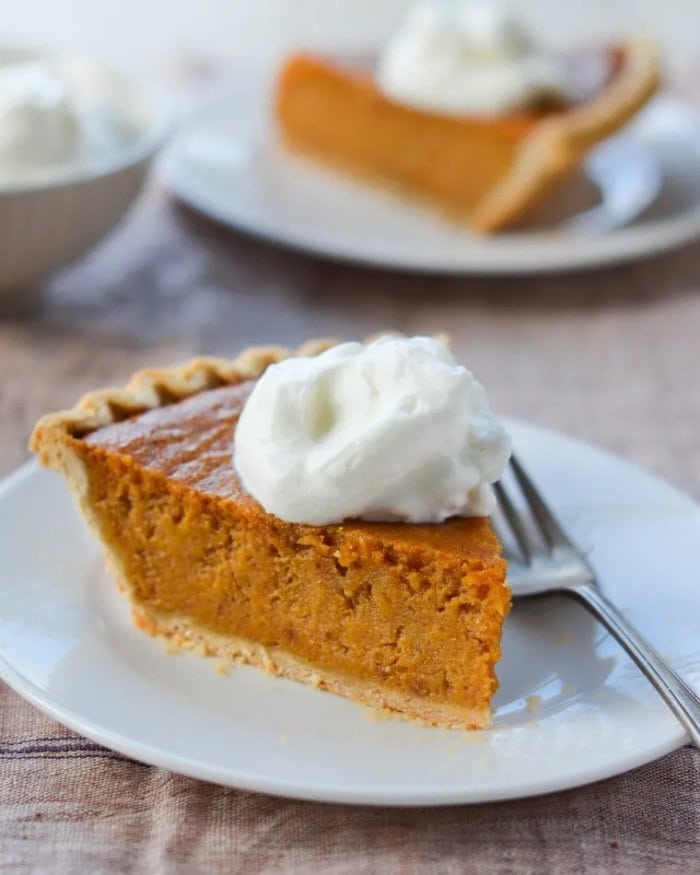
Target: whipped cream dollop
(47,129)
(38,119)
(468,58)
(392,430)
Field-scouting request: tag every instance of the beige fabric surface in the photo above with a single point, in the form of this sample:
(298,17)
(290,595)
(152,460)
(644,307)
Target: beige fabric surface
(609,356)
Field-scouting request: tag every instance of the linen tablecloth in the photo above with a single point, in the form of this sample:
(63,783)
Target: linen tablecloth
(609,356)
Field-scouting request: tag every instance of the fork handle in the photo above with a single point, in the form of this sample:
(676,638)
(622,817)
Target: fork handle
(684,703)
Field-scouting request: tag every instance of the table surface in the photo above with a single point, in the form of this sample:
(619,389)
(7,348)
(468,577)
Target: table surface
(610,357)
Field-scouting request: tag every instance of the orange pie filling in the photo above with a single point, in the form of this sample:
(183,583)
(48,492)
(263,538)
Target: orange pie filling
(338,116)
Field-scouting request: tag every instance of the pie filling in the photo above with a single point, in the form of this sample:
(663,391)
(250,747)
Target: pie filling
(336,116)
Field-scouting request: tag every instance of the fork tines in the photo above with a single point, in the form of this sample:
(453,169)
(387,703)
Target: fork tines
(524,533)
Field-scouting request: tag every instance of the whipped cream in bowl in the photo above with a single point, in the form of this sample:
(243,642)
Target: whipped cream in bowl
(76,141)
(39,124)
(392,430)
(65,118)
(468,58)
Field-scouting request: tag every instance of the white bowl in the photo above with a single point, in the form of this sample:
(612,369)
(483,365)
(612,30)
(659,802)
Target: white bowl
(49,222)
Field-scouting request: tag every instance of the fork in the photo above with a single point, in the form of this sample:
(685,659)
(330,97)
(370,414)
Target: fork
(553,563)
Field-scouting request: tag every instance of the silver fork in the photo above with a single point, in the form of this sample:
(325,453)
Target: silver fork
(557,565)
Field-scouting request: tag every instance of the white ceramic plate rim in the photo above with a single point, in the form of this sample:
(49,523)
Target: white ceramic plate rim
(242,780)
(665,741)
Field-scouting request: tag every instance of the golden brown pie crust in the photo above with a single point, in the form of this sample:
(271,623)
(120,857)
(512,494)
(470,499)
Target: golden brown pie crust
(558,143)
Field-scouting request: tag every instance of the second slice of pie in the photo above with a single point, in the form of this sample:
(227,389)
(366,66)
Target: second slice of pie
(488,169)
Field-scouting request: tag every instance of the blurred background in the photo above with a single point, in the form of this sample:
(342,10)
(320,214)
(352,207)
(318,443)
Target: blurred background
(255,32)
(568,350)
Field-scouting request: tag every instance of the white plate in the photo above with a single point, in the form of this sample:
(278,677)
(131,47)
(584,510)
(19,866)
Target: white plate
(67,645)
(227,163)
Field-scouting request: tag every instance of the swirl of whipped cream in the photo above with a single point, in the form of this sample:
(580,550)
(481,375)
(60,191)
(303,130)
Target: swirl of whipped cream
(394,430)
(467,58)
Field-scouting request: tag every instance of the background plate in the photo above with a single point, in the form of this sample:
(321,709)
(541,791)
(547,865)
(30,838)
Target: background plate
(571,707)
(227,164)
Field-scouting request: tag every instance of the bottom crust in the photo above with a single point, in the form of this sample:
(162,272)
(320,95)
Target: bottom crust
(182,634)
